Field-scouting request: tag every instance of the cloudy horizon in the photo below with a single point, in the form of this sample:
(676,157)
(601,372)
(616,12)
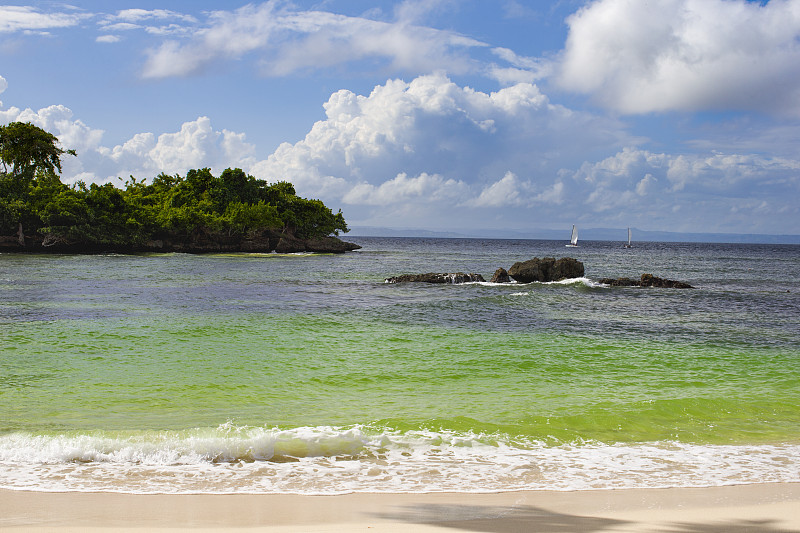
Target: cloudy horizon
(683,116)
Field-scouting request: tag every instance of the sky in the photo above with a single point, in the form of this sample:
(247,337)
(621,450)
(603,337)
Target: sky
(506,115)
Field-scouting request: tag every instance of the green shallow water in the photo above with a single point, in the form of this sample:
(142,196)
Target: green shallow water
(175,372)
(161,353)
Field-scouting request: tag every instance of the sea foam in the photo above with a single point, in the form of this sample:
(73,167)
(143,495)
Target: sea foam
(330,460)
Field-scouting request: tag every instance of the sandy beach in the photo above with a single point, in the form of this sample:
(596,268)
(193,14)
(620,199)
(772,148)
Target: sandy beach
(765,508)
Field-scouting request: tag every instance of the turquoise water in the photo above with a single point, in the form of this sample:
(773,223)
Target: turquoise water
(307,373)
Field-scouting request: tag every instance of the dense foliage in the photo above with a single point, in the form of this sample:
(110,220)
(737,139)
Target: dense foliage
(235,203)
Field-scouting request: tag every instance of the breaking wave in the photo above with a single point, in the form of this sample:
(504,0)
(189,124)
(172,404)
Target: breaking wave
(331,460)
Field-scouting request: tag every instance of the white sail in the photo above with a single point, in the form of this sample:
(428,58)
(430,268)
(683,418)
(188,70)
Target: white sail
(573,241)
(629,239)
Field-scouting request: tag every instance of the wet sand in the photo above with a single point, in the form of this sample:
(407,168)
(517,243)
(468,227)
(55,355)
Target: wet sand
(766,508)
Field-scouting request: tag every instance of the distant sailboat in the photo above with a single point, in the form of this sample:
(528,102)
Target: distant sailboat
(573,241)
(629,239)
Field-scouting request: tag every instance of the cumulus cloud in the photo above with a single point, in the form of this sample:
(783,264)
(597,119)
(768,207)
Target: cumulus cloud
(505,192)
(57,119)
(711,191)
(431,153)
(195,145)
(640,57)
(288,40)
(423,188)
(145,155)
(453,148)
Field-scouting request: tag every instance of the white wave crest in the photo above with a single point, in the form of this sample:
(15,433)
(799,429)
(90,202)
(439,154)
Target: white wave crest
(328,460)
(224,444)
(576,281)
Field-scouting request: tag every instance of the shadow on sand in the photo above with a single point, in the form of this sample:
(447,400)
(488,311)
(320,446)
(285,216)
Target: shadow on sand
(731,526)
(529,519)
(492,519)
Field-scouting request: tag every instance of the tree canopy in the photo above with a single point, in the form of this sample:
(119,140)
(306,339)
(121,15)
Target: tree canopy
(233,203)
(25,148)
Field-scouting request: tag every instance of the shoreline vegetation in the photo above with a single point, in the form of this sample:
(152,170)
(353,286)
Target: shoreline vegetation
(195,213)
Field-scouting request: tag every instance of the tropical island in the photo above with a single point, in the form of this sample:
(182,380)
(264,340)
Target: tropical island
(195,213)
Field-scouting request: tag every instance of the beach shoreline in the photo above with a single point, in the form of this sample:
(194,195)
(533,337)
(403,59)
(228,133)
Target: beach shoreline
(758,508)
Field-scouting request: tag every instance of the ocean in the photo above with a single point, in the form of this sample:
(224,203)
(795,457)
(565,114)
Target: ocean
(307,374)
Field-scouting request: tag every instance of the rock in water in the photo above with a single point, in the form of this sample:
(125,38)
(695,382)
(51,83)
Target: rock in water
(621,282)
(289,244)
(431,277)
(647,280)
(500,276)
(546,269)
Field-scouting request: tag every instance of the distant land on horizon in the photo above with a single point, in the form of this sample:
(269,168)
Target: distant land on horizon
(588,234)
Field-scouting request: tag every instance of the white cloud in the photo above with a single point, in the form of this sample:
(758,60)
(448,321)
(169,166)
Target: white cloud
(168,29)
(3,85)
(136,19)
(289,41)
(554,194)
(139,15)
(645,188)
(536,67)
(430,153)
(145,155)
(108,39)
(121,26)
(73,134)
(640,57)
(510,76)
(423,188)
(505,192)
(646,185)
(430,139)
(30,19)
(196,145)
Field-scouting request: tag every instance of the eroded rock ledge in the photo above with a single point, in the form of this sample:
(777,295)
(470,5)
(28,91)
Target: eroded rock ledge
(647,280)
(201,240)
(432,277)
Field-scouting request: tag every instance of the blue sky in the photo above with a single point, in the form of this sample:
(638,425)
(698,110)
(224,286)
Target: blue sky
(676,115)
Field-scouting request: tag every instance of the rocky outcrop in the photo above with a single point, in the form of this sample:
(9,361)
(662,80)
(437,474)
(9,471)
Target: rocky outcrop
(500,276)
(541,270)
(647,280)
(546,269)
(431,277)
(620,282)
(326,245)
(200,240)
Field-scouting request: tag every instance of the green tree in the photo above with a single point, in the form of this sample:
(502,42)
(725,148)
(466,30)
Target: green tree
(25,148)
(241,217)
(30,158)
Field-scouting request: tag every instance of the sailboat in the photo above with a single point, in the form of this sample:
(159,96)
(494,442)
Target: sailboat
(629,239)
(573,241)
